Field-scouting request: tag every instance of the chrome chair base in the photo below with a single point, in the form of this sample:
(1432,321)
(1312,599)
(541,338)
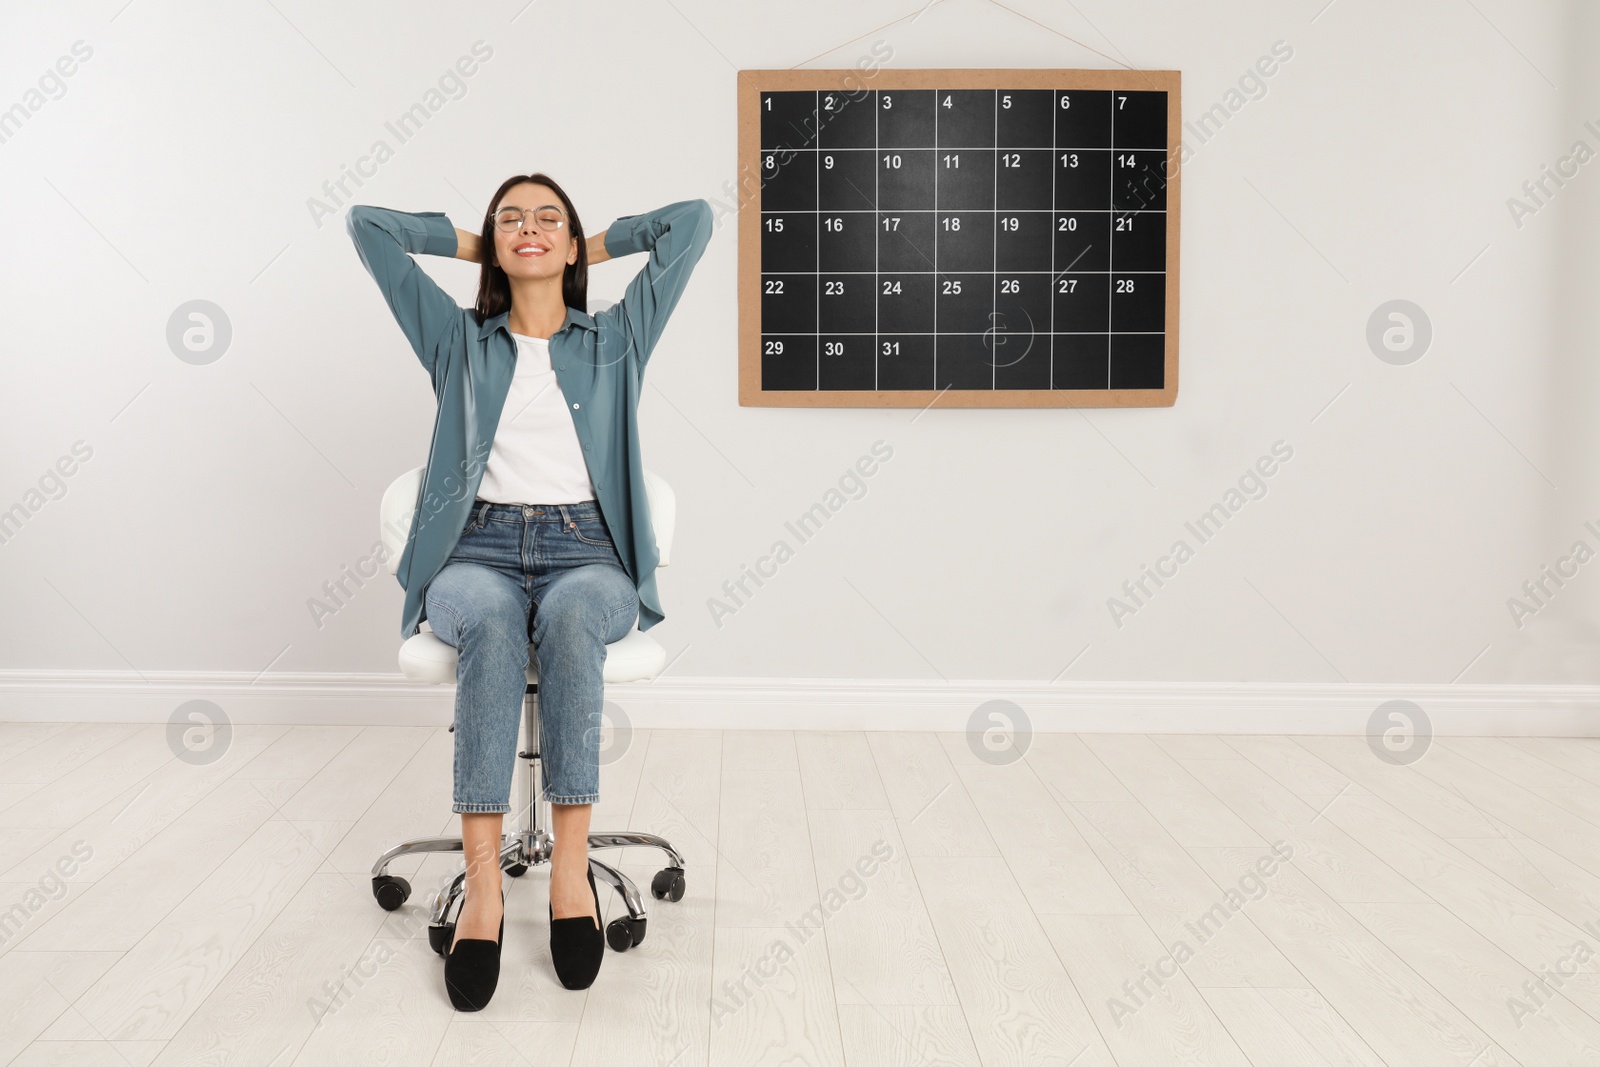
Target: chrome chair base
(526,848)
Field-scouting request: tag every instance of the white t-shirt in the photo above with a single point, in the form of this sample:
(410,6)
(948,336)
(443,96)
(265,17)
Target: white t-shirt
(536,457)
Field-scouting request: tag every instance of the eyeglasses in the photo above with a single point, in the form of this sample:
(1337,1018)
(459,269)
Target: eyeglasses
(548,218)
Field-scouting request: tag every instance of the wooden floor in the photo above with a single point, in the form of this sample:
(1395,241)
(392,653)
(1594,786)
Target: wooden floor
(873,899)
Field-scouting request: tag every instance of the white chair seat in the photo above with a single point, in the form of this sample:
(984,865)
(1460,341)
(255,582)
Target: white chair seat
(425,658)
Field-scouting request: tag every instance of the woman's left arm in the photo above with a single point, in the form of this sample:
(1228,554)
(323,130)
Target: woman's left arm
(675,236)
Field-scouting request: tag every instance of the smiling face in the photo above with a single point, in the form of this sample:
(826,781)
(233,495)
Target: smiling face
(530,251)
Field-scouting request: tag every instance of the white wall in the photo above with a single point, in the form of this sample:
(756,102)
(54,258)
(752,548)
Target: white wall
(178,165)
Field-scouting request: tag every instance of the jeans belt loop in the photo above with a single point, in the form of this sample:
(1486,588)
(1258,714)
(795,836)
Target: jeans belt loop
(483,514)
(566,518)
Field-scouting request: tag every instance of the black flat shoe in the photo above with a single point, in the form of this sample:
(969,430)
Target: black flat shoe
(577,944)
(472,967)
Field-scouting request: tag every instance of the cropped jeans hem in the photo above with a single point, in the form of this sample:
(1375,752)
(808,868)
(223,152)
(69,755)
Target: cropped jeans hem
(481,809)
(591,798)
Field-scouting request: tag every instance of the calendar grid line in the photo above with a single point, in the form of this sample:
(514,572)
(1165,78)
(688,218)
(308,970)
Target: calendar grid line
(950,333)
(1069,270)
(965,211)
(994,257)
(1050,289)
(978,148)
(1111,243)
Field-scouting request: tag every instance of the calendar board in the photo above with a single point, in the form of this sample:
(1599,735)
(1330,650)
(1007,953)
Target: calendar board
(975,238)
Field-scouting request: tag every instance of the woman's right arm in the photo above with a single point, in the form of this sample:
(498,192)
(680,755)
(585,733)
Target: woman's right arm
(385,240)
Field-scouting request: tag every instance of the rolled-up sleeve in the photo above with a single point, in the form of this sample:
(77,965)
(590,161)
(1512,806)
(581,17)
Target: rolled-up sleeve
(385,240)
(675,236)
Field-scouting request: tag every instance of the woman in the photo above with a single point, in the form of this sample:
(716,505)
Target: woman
(532,523)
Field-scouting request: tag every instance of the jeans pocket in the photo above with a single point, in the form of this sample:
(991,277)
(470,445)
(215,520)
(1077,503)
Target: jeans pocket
(477,520)
(592,532)
(475,543)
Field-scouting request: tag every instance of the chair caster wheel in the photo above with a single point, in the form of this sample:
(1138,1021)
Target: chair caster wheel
(667,884)
(391,891)
(439,937)
(623,934)
(517,870)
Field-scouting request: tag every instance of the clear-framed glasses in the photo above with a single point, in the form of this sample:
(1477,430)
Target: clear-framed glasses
(548,218)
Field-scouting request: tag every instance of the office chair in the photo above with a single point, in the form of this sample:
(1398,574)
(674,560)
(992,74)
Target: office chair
(425,658)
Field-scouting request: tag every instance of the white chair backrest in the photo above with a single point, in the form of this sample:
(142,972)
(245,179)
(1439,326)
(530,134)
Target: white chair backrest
(663,513)
(396,513)
(399,508)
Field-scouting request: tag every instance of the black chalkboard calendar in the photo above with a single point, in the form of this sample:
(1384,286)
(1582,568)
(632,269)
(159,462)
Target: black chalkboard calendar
(978,238)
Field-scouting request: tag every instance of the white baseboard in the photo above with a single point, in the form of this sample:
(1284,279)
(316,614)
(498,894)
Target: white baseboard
(822,704)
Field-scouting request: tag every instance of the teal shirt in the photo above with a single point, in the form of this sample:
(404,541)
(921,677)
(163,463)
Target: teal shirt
(599,363)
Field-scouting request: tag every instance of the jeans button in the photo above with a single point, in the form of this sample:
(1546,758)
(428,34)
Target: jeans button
(527,513)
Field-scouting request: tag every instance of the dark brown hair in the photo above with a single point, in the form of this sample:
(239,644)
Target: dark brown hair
(494,289)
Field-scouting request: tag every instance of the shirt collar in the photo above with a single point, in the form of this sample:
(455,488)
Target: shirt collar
(574,317)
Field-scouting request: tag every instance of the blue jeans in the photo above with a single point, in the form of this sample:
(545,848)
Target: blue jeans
(546,574)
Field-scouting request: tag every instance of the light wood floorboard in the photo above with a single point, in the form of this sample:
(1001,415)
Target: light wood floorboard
(883,899)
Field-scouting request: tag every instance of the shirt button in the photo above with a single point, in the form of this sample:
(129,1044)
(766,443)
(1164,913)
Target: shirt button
(574,406)
(586,448)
